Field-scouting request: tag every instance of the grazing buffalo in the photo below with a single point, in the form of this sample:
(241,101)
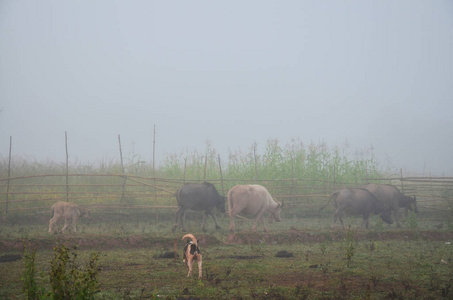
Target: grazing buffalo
(199,197)
(67,211)
(254,200)
(390,195)
(358,202)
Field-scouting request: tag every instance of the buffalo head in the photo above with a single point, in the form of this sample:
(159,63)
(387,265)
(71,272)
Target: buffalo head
(408,202)
(276,213)
(414,202)
(85,213)
(220,204)
(386,217)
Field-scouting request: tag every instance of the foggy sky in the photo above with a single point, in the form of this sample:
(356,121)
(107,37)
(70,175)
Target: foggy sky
(372,73)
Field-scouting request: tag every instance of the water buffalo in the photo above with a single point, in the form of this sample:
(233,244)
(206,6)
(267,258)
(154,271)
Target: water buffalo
(254,200)
(390,195)
(358,202)
(199,197)
(67,211)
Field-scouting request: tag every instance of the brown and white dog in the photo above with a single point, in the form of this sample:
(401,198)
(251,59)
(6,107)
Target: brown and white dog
(191,253)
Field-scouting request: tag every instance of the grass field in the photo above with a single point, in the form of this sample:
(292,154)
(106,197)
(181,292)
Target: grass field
(326,263)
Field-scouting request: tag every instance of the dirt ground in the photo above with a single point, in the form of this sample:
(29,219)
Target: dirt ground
(206,240)
(311,278)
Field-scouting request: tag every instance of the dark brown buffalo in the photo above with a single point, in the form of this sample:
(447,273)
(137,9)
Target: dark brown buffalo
(199,197)
(358,202)
(390,195)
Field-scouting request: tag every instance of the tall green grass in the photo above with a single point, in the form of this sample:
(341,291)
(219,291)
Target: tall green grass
(295,159)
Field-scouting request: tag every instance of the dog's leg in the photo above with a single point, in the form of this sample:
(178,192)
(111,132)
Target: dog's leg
(199,266)
(190,265)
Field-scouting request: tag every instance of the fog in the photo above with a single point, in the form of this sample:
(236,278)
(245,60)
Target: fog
(370,74)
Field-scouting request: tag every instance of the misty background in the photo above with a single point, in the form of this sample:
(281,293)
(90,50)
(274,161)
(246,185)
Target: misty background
(374,75)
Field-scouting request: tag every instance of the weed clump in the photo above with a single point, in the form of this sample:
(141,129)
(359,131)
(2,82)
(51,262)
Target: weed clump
(29,286)
(349,246)
(67,279)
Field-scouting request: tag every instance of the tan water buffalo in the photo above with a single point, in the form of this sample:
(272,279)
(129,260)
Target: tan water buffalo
(391,196)
(254,200)
(67,211)
(358,202)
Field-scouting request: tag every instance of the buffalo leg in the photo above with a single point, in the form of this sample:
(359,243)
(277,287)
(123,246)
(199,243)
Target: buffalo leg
(215,219)
(232,225)
(396,218)
(255,224)
(66,224)
(366,221)
(183,219)
(263,219)
(52,224)
(74,224)
(338,216)
(203,225)
(257,219)
(177,217)
(175,224)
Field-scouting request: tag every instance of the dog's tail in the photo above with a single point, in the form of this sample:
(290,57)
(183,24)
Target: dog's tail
(191,236)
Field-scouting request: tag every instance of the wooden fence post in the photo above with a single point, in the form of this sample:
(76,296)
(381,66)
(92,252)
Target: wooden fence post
(67,165)
(205,166)
(221,176)
(334,178)
(9,173)
(176,249)
(184,174)
(292,178)
(401,179)
(154,169)
(254,157)
(122,169)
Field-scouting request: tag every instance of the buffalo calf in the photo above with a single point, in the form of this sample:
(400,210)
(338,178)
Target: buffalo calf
(67,211)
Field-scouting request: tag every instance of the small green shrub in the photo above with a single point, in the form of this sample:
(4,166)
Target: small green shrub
(67,279)
(449,214)
(29,287)
(412,220)
(349,246)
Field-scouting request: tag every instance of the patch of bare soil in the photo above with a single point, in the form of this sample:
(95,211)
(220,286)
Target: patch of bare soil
(102,242)
(9,257)
(241,238)
(344,284)
(298,236)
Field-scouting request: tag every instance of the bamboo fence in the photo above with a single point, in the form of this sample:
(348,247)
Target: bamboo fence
(34,194)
